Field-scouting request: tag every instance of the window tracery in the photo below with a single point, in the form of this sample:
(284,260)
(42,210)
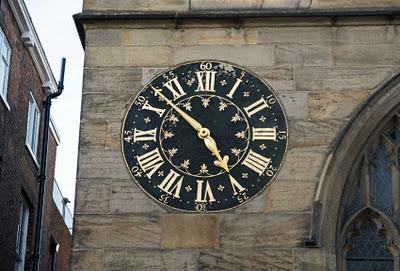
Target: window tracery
(369,220)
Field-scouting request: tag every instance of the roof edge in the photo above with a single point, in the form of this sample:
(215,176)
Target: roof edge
(31,40)
(87,16)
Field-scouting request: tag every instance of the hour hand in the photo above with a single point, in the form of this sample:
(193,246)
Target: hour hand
(212,146)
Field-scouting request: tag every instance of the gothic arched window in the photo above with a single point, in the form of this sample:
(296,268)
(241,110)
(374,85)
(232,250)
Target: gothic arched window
(369,214)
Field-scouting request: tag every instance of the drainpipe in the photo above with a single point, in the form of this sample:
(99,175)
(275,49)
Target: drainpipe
(43,167)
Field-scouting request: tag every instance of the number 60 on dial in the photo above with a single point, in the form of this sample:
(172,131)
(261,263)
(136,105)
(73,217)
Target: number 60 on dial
(204,136)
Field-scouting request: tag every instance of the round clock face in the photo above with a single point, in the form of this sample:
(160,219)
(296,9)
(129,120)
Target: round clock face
(204,136)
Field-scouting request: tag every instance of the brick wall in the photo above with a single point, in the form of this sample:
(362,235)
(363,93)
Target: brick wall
(18,177)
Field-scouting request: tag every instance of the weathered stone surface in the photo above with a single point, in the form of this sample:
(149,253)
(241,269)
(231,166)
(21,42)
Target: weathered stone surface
(302,164)
(309,259)
(117,231)
(188,36)
(116,56)
(249,259)
(340,78)
(305,133)
(373,54)
(366,34)
(102,164)
(288,196)
(278,78)
(146,260)
(100,133)
(354,3)
(287,21)
(362,21)
(303,55)
(183,37)
(112,80)
(255,205)
(190,231)
(303,35)
(93,133)
(260,230)
(248,4)
(295,104)
(93,196)
(106,105)
(243,55)
(103,37)
(146,36)
(87,260)
(127,197)
(137,5)
(334,105)
(229,36)
(150,73)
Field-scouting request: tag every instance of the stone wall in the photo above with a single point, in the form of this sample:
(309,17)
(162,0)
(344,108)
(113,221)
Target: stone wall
(186,5)
(321,68)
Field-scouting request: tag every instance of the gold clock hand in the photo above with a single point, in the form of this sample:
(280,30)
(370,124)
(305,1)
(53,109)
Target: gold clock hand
(194,123)
(210,143)
(203,133)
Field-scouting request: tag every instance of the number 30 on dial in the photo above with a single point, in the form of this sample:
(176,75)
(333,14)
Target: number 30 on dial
(204,136)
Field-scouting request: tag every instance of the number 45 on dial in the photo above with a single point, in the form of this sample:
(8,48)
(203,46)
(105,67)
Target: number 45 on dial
(204,136)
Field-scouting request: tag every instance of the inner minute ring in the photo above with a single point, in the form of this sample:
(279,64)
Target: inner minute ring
(183,148)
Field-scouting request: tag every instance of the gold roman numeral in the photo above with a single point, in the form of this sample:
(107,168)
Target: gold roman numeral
(256,162)
(256,107)
(235,86)
(171,185)
(150,162)
(206,80)
(175,87)
(264,134)
(139,135)
(207,196)
(147,106)
(236,185)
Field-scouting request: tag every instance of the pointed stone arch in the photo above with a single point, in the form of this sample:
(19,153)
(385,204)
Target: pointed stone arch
(385,229)
(370,117)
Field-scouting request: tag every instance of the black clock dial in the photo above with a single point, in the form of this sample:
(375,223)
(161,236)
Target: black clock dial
(204,136)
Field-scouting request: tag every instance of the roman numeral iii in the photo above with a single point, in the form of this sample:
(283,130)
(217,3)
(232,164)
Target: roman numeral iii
(256,162)
(256,107)
(206,80)
(171,185)
(264,134)
(175,87)
(207,196)
(139,135)
(150,162)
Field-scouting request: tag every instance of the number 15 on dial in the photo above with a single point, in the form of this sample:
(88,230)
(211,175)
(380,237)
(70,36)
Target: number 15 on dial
(204,136)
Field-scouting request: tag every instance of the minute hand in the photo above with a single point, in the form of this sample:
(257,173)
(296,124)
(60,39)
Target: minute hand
(203,133)
(194,123)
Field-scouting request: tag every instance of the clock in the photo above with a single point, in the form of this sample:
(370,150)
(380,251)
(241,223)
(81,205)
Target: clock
(204,136)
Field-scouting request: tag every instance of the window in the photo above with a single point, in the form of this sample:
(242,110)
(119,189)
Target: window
(32,130)
(22,234)
(370,217)
(368,250)
(5,53)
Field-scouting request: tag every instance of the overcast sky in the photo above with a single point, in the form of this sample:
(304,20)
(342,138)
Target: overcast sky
(56,29)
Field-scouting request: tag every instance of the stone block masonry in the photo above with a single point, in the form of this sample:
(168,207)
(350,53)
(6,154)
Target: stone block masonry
(321,70)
